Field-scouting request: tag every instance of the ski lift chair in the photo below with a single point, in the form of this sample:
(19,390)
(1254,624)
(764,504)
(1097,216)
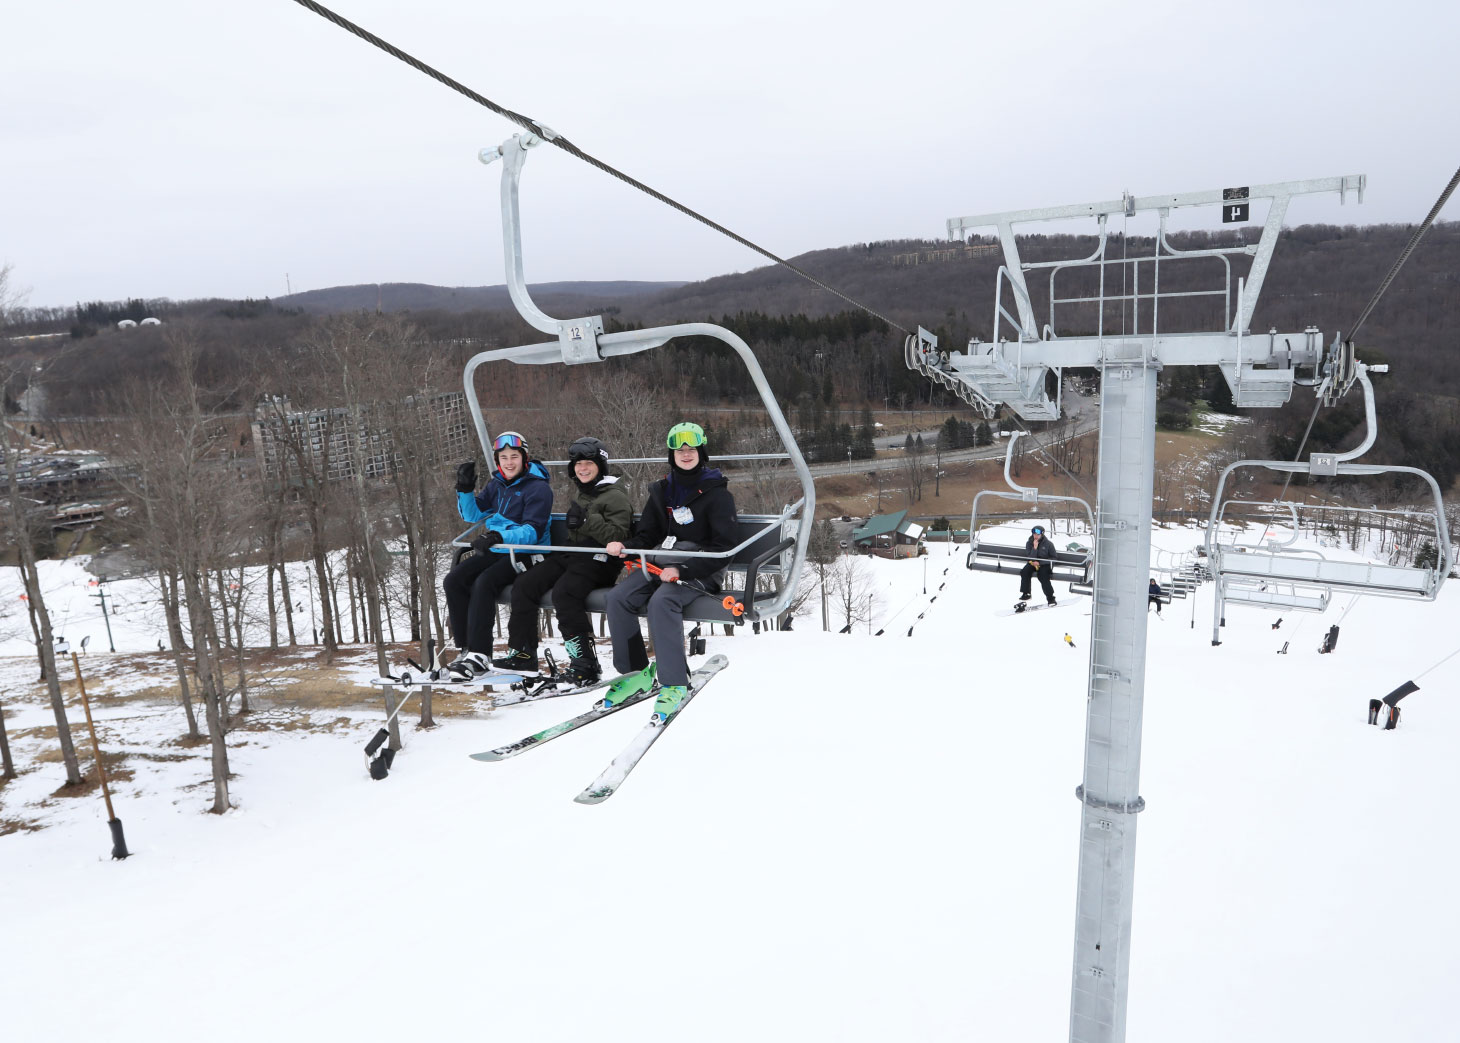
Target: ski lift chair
(769,545)
(1072,567)
(1278,575)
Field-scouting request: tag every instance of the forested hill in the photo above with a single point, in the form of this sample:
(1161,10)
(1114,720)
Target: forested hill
(574,297)
(825,361)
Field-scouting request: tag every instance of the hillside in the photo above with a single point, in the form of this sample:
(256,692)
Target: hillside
(565,297)
(804,856)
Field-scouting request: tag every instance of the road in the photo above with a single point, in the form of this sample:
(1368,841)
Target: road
(1082,411)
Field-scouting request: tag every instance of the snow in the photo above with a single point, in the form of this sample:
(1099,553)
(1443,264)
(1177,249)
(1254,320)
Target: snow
(845,837)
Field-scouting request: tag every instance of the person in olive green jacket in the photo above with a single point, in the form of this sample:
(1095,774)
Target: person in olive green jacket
(599,514)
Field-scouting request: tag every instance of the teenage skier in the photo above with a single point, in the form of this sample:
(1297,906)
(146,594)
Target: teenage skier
(1154,593)
(514,507)
(689,508)
(599,514)
(1041,559)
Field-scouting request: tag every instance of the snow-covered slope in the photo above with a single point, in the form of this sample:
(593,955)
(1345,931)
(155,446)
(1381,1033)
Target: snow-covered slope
(846,837)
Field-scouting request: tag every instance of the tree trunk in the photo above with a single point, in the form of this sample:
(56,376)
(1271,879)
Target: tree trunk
(7,766)
(335,605)
(212,697)
(223,603)
(174,633)
(243,706)
(273,608)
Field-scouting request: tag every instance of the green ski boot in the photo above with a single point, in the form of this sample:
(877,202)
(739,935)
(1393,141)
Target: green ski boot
(670,698)
(630,685)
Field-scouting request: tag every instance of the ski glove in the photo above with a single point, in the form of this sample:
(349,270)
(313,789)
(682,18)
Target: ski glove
(466,477)
(574,518)
(486,541)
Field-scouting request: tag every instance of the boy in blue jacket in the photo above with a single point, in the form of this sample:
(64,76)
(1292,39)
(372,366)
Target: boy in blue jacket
(514,506)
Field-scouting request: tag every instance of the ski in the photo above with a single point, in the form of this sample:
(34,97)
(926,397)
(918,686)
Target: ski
(1021,607)
(613,776)
(409,681)
(596,712)
(531,693)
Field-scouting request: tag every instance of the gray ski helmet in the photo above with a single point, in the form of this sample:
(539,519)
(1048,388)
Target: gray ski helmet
(589,448)
(1038,530)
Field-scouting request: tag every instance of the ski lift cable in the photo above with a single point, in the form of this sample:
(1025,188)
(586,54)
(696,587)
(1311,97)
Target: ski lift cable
(1373,302)
(1442,662)
(552,137)
(1404,254)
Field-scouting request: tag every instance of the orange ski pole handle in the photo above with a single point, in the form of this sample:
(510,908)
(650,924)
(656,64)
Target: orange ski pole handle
(649,567)
(735,608)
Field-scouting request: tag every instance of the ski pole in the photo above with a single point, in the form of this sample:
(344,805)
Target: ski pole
(119,841)
(735,607)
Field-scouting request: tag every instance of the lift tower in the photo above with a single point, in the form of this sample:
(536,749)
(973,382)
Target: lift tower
(1012,368)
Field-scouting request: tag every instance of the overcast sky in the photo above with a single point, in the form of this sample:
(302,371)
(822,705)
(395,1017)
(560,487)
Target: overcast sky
(181,149)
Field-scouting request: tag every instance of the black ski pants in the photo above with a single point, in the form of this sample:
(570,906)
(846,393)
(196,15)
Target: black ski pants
(1042,571)
(570,577)
(471,598)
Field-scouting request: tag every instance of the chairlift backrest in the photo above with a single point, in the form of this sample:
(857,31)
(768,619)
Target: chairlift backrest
(582,341)
(1278,575)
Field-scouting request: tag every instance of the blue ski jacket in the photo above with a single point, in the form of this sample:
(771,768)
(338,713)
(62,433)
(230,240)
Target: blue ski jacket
(520,509)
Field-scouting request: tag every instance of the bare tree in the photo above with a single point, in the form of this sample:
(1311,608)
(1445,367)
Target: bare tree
(177,454)
(821,553)
(19,373)
(850,581)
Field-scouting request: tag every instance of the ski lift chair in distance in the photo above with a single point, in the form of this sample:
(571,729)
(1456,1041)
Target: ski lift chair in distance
(1072,567)
(770,544)
(1278,575)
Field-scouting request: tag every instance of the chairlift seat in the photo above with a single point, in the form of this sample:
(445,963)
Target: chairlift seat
(1359,577)
(1068,566)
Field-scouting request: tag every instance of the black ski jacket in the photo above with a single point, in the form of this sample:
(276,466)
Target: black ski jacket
(1044,553)
(705,519)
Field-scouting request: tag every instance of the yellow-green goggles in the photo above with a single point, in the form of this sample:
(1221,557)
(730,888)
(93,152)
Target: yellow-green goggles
(686,436)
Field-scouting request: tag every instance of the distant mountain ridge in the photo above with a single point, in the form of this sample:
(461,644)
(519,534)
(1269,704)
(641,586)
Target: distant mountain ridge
(414,296)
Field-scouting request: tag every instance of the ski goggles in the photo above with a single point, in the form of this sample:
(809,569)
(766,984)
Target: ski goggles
(686,436)
(1037,530)
(510,440)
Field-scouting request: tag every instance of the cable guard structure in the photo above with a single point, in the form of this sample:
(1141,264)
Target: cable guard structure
(771,545)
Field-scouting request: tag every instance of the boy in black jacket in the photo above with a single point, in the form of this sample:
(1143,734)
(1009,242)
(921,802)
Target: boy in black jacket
(692,509)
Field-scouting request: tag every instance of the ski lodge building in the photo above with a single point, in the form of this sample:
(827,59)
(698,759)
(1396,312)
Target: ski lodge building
(890,536)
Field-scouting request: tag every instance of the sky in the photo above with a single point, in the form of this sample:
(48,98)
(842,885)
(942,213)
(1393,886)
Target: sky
(844,837)
(183,150)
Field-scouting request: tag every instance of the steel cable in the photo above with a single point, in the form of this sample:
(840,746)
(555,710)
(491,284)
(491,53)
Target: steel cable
(553,138)
(1374,300)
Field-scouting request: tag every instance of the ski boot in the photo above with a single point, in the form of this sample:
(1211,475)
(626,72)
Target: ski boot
(670,698)
(1050,601)
(1024,596)
(582,669)
(630,685)
(517,661)
(467,665)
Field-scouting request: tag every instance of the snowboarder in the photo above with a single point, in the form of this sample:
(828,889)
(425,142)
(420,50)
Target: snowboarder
(1041,559)
(1154,593)
(599,514)
(689,508)
(514,507)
